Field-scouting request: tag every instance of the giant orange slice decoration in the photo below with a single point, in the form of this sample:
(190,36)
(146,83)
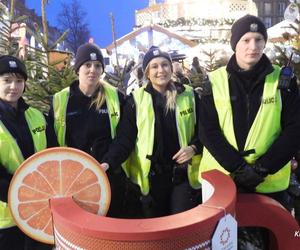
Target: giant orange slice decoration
(55,172)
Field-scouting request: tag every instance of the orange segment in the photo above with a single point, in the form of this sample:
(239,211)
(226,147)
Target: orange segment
(91,193)
(41,219)
(37,182)
(70,177)
(86,178)
(51,173)
(29,209)
(29,194)
(55,172)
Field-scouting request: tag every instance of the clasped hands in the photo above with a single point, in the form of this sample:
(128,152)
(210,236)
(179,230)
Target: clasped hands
(249,176)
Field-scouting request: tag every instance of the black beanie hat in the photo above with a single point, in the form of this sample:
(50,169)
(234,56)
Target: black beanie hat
(153,52)
(11,64)
(246,24)
(88,52)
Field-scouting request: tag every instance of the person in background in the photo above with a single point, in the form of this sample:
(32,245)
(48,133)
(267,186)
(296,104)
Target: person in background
(85,115)
(23,132)
(136,79)
(250,118)
(179,74)
(196,68)
(127,73)
(158,134)
(196,76)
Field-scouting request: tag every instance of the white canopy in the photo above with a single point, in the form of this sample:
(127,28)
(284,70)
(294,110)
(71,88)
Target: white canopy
(284,26)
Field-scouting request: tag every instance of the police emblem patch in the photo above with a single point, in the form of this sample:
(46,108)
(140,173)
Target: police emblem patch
(12,64)
(253,27)
(93,56)
(156,52)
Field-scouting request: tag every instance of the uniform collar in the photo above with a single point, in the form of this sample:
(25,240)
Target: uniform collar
(263,66)
(75,91)
(8,110)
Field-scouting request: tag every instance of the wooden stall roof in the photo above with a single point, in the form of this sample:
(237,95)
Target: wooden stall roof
(154,27)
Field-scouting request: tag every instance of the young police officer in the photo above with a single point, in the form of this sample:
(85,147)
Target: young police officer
(22,133)
(158,131)
(85,115)
(250,120)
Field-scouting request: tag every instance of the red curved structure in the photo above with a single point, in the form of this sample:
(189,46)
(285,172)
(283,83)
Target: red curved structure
(254,210)
(77,229)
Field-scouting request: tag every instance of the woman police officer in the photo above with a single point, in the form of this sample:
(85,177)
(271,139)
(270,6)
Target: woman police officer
(158,132)
(23,131)
(86,113)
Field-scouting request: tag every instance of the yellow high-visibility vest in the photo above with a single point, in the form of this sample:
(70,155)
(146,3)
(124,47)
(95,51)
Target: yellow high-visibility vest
(60,103)
(138,166)
(11,156)
(263,132)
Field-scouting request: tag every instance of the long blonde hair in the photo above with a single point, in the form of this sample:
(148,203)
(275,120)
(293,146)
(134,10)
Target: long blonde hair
(170,94)
(98,97)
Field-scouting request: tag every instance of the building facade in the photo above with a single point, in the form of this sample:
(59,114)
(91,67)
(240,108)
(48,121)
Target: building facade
(33,18)
(195,19)
(271,11)
(188,9)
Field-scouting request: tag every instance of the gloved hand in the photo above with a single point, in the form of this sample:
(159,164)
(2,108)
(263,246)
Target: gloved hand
(249,176)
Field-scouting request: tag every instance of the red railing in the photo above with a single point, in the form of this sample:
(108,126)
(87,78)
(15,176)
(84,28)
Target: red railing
(254,210)
(78,229)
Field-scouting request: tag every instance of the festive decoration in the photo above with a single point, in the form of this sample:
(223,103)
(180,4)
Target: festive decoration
(289,45)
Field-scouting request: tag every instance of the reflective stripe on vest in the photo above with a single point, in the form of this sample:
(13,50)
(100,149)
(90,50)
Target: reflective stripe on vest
(138,166)
(263,132)
(11,156)
(60,103)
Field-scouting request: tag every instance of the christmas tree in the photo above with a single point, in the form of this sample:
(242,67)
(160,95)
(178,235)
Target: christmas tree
(46,75)
(286,49)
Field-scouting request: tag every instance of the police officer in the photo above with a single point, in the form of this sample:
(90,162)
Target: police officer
(85,115)
(251,125)
(250,120)
(23,132)
(158,131)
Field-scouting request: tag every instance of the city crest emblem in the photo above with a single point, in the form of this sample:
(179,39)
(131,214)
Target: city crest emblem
(253,27)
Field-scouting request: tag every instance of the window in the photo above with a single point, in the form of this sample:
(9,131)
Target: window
(268,22)
(281,8)
(267,9)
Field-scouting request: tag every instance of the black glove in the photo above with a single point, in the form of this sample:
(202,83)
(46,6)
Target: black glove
(249,176)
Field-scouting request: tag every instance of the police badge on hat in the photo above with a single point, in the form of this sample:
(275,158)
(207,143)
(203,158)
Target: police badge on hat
(253,27)
(12,64)
(156,52)
(93,56)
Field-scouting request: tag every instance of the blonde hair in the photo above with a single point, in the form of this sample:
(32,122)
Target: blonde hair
(170,94)
(98,97)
